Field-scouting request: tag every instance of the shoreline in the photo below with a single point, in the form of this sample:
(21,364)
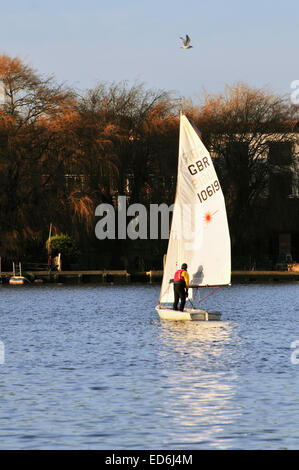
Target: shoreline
(125,277)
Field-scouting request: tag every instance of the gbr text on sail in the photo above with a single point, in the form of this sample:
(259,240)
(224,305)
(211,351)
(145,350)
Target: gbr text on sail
(207,182)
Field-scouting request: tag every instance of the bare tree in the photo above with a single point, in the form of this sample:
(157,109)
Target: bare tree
(126,116)
(238,126)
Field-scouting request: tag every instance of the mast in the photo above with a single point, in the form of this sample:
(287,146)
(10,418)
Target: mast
(49,243)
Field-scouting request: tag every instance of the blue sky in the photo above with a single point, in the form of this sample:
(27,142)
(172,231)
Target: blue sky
(84,42)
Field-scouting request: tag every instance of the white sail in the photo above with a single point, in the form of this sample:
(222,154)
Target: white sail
(199,233)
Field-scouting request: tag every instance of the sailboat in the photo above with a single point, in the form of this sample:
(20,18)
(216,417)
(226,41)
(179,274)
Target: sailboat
(18,280)
(199,233)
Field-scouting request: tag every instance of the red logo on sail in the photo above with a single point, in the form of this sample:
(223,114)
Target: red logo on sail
(209,216)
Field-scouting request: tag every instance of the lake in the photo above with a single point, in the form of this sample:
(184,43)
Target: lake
(93,367)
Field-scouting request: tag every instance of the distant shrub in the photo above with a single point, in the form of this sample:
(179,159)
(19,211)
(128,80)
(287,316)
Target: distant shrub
(65,245)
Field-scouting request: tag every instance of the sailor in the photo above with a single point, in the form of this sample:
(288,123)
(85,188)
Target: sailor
(180,287)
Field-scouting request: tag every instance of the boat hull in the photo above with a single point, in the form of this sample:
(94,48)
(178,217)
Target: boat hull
(17,280)
(189,314)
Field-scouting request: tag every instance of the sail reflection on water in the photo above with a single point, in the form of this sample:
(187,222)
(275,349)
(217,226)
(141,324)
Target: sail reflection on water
(200,385)
(197,339)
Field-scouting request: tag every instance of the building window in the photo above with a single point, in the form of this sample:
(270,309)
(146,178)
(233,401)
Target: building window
(280,153)
(281,176)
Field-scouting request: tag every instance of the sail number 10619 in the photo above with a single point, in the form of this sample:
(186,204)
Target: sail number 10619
(209,191)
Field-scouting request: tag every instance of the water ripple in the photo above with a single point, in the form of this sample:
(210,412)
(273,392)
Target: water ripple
(92,367)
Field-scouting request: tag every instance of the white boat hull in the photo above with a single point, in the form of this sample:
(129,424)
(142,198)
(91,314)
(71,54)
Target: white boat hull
(189,314)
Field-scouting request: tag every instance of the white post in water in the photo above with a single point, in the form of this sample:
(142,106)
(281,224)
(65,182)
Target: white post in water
(13,268)
(20,269)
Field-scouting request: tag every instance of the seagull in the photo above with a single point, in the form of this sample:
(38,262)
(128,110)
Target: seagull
(186,42)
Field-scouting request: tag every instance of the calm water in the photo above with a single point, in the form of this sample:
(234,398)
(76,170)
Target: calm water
(92,367)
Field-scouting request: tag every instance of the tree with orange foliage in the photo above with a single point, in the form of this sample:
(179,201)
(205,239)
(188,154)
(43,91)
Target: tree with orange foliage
(118,120)
(127,135)
(32,111)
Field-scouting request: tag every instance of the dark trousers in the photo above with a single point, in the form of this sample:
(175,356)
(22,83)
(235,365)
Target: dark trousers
(179,294)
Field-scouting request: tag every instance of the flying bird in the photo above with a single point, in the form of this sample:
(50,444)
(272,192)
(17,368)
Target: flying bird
(186,42)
